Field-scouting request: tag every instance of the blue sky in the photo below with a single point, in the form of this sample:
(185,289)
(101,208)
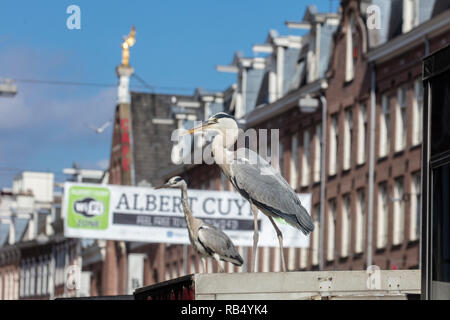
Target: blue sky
(178,45)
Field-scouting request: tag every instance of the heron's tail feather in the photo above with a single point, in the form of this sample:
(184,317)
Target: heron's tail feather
(301,220)
(236,259)
(305,223)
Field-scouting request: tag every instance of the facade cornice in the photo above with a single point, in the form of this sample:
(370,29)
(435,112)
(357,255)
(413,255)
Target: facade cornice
(404,42)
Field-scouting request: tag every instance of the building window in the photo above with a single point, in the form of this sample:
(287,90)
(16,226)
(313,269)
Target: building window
(294,162)
(60,267)
(292,255)
(346,226)
(45,278)
(303,258)
(22,280)
(168,274)
(39,279)
(334,143)
(27,279)
(399,212)
(382,219)
(360,221)
(348,139)
(417,112)
(33,279)
(6,285)
(306,158)
(331,229)
(317,153)
(415,198)
(175,270)
(350,52)
(266,259)
(315,236)
(57,267)
(400,120)
(16,285)
(384,127)
(362,134)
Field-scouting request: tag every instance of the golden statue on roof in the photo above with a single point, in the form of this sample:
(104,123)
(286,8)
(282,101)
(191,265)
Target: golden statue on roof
(127,43)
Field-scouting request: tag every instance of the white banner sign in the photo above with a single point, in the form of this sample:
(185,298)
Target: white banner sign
(147,215)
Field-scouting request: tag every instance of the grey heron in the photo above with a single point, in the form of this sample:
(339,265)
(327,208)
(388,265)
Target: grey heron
(256,180)
(207,240)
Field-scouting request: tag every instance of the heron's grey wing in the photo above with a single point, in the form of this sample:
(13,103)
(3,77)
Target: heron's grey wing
(216,241)
(260,183)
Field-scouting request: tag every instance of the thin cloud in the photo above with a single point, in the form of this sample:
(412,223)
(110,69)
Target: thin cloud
(45,126)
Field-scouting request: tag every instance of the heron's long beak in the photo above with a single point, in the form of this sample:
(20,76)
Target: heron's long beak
(201,127)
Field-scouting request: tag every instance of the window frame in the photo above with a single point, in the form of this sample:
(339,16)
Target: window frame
(362,134)
(306,158)
(385,130)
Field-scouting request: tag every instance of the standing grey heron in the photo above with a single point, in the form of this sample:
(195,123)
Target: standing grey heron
(207,240)
(256,180)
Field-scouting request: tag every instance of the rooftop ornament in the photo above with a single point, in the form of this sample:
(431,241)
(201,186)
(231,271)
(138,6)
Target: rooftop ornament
(126,45)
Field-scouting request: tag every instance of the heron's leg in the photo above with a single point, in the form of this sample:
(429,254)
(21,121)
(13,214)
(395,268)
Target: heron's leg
(280,239)
(255,236)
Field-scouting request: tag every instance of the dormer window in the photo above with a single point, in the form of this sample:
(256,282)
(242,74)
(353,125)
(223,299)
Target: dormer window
(351,51)
(410,15)
(312,65)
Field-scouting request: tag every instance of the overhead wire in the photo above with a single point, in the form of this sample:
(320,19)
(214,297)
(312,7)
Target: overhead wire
(144,84)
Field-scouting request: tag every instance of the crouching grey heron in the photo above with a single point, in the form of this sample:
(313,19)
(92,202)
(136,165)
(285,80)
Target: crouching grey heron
(256,180)
(207,240)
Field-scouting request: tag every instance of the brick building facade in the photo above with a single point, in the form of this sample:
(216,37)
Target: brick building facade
(369,83)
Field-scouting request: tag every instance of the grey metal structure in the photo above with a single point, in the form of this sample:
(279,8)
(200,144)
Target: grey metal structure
(256,180)
(436,176)
(207,240)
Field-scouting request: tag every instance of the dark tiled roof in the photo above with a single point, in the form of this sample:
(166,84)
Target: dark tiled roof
(4,233)
(20,226)
(151,143)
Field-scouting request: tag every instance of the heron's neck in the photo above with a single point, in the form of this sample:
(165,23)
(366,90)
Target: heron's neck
(187,211)
(221,145)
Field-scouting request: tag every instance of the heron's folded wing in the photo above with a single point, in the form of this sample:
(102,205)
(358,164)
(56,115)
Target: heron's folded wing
(218,242)
(266,188)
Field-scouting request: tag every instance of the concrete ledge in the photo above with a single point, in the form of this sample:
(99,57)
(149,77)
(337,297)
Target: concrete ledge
(382,284)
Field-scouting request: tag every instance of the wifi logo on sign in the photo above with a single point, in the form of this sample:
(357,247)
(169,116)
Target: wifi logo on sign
(88,207)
